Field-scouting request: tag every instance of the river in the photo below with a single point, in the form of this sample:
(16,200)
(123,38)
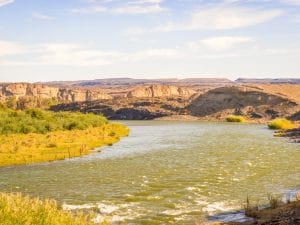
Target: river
(167,173)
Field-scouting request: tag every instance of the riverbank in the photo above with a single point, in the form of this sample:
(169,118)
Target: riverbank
(36,135)
(16,149)
(286,214)
(18,209)
(292,134)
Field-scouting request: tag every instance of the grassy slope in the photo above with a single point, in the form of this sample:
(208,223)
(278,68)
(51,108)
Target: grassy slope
(39,136)
(18,149)
(16,209)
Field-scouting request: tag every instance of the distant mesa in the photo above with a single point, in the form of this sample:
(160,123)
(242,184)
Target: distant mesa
(268,81)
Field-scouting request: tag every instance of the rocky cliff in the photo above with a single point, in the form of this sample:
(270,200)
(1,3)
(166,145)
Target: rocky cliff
(255,101)
(251,102)
(19,90)
(160,91)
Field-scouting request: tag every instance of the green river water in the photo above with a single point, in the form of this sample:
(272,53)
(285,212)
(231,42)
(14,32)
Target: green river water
(167,173)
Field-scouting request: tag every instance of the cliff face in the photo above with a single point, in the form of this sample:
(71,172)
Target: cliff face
(242,100)
(259,102)
(157,91)
(19,90)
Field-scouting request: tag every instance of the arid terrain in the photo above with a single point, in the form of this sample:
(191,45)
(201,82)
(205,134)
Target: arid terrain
(167,99)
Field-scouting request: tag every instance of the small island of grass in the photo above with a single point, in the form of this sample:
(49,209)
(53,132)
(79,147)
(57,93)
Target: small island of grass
(235,119)
(36,135)
(281,124)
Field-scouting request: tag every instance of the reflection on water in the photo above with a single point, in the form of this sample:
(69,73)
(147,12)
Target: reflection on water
(167,173)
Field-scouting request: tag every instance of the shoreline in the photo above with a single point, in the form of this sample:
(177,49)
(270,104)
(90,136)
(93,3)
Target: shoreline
(25,149)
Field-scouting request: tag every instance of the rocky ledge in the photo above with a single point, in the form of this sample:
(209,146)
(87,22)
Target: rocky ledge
(293,135)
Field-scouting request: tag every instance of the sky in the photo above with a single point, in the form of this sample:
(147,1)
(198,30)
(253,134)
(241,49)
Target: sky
(46,40)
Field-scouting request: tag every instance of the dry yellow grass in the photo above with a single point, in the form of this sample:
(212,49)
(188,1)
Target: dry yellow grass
(16,149)
(16,209)
(281,124)
(235,119)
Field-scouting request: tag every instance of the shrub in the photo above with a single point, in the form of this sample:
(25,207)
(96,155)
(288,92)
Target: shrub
(235,118)
(281,124)
(41,121)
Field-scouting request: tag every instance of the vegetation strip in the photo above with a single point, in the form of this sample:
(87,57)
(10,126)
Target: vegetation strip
(40,136)
(18,209)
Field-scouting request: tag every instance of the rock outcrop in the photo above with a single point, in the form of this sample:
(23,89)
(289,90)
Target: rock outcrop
(18,90)
(241,100)
(41,91)
(160,91)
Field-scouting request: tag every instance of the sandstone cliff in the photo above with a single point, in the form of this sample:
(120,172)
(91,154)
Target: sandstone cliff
(41,91)
(252,102)
(160,91)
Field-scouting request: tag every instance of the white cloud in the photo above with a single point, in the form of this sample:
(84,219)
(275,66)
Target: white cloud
(146,2)
(5,2)
(214,18)
(77,55)
(292,2)
(231,17)
(129,9)
(126,7)
(88,10)
(220,43)
(41,16)
(11,48)
(138,9)
(226,18)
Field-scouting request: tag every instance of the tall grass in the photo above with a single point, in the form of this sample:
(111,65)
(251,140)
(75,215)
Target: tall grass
(235,119)
(281,124)
(16,209)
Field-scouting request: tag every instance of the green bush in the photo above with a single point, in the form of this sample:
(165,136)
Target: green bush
(235,119)
(42,121)
(281,124)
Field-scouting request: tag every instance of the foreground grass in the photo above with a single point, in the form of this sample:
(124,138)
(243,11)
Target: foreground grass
(281,124)
(16,149)
(16,209)
(235,119)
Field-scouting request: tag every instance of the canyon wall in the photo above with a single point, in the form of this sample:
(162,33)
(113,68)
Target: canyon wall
(41,91)
(158,91)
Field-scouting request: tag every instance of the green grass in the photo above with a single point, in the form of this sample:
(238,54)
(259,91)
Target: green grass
(235,119)
(16,149)
(40,136)
(281,124)
(16,209)
(42,121)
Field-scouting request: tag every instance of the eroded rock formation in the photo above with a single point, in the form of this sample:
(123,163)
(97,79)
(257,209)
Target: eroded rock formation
(158,91)
(242,100)
(19,90)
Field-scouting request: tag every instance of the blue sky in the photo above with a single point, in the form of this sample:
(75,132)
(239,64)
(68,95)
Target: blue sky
(43,40)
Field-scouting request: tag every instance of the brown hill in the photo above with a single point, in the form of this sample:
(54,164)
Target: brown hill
(257,102)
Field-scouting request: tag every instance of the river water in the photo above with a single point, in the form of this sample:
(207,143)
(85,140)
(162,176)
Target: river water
(167,173)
